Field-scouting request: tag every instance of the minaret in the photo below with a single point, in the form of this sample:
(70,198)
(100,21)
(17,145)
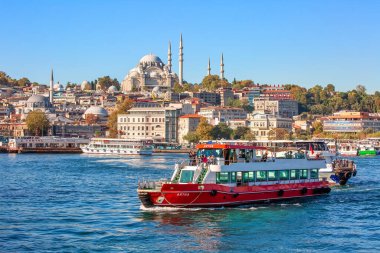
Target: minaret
(180,61)
(221,68)
(51,87)
(170,57)
(209,67)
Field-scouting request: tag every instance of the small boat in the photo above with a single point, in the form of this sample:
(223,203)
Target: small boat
(119,146)
(231,175)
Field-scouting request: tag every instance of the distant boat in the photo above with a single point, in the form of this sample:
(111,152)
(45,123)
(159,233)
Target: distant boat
(119,146)
(46,144)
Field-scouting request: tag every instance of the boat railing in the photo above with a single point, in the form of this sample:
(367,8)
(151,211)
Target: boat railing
(152,185)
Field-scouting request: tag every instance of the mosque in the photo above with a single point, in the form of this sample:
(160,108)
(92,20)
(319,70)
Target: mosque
(152,74)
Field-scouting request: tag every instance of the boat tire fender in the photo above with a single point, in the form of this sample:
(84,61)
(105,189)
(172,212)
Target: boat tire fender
(280,193)
(213,192)
(304,191)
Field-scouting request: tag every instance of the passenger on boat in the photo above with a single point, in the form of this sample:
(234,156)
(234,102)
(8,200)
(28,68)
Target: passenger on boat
(192,158)
(211,159)
(264,157)
(204,159)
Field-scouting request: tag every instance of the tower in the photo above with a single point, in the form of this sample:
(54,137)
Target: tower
(51,87)
(170,57)
(221,68)
(209,67)
(180,61)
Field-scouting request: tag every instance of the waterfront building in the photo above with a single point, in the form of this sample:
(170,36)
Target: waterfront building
(187,123)
(157,123)
(235,123)
(351,122)
(217,114)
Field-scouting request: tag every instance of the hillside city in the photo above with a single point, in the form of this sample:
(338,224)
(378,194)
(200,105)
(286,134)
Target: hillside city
(153,102)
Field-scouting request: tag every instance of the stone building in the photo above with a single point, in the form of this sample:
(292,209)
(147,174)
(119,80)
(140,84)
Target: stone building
(187,123)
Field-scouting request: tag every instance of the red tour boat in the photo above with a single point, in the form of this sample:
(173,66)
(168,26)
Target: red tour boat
(231,174)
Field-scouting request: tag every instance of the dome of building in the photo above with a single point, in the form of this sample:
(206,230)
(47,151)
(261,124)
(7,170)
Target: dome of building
(151,58)
(84,84)
(96,110)
(112,89)
(36,99)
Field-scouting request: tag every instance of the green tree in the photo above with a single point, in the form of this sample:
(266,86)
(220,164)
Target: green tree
(191,137)
(37,123)
(221,131)
(242,133)
(278,134)
(317,127)
(178,88)
(23,82)
(112,118)
(204,129)
(105,82)
(211,82)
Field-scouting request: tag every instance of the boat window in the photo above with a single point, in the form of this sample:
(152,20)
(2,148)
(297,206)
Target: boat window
(303,174)
(272,175)
(284,175)
(210,152)
(294,174)
(222,177)
(261,176)
(314,174)
(233,177)
(251,176)
(186,176)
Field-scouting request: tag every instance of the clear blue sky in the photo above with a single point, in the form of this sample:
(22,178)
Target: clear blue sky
(275,41)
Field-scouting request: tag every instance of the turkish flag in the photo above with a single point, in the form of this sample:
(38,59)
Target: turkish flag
(311,149)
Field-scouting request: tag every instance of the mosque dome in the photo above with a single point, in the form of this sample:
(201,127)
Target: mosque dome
(36,99)
(150,58)
(112,89)
(84,84)
(96,110)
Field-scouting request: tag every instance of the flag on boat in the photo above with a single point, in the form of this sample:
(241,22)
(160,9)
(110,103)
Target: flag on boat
(311,149)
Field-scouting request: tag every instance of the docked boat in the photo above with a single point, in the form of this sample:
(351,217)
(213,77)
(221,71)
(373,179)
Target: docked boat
(45,144)
(230,175)
(119,146)
(347,148)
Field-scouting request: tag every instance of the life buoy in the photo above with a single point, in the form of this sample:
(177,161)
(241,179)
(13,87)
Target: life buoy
(304,191)
(213,192)
(280,193)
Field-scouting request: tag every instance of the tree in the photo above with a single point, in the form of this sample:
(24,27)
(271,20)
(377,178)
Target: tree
(221,131)
(177,88)
(211,82)
(23,82)
(317,127)
(361,89)
(278,134)
(37,122)
(203,130)
(242,133)
(112,119)
(191,137)
(105,82)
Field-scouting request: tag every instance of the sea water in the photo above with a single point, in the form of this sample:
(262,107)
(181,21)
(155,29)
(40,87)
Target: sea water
(88,203)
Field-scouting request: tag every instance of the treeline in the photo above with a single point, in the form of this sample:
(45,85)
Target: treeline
(206,131)
(103,82)
(326,100)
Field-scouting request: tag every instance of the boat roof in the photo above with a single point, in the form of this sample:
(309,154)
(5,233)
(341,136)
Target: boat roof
(227,146)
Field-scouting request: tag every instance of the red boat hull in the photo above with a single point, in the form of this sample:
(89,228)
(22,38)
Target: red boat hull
(216,195)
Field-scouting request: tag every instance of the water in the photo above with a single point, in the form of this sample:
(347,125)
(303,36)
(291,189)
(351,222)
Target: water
(70,203)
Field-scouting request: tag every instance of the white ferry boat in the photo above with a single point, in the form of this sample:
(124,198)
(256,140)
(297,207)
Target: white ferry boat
(45,144)
(119,146)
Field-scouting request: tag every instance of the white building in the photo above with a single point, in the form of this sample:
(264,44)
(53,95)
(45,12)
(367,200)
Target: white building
(261,124)
(284,108)
(187,123)
(216,114)
(158,123)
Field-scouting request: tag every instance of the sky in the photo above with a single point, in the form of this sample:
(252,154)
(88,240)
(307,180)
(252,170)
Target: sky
(273,41)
